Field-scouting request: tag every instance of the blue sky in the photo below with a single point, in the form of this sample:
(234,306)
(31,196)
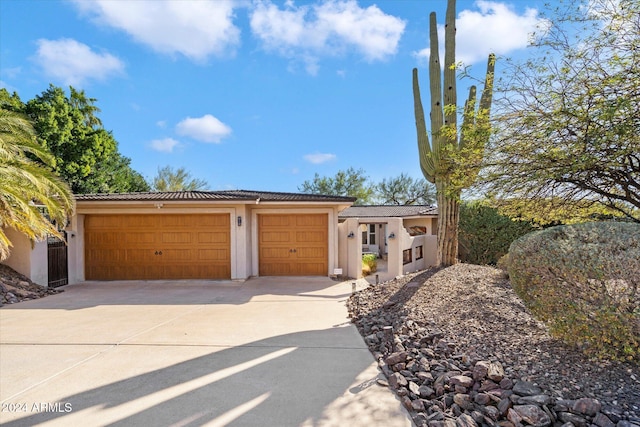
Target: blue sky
(256,95)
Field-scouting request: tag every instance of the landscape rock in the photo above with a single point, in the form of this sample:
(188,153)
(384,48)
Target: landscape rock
(481,369)
(498,367)
(397,380)
(15,287)
(496,372)
(533,415)
(602,420)
(587,406)
(525,388)
(576,420)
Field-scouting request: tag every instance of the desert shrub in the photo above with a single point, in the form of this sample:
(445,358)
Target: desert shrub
(485,235)
(369,264)
(583,280)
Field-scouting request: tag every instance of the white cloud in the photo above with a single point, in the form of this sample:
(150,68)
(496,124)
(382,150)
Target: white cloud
(318,158)
(73,62)
(195,29)
(330,28)
(494,28)
(206,128)
(161,124)
(165,145)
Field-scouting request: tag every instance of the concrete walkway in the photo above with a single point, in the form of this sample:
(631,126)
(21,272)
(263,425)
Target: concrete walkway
(266,352)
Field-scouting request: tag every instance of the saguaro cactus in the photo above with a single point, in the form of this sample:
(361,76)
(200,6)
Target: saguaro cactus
(451,159)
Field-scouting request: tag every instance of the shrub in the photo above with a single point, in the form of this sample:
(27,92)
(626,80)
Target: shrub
(369,264)
(485,235)
(583,280)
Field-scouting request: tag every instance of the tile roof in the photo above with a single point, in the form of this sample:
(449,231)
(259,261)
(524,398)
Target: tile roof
(388,211)
(226,195)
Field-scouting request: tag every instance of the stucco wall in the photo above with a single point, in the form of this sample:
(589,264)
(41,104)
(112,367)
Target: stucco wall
(28,258)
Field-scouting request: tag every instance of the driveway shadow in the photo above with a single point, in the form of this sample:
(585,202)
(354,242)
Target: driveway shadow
(258,384)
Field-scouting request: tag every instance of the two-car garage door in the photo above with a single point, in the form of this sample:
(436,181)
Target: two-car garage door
(152,247)
(176,246)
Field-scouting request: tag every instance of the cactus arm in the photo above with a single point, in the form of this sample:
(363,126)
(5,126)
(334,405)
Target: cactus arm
(424,147)
(450,95)
(435,87)
(468,118)
(487,92)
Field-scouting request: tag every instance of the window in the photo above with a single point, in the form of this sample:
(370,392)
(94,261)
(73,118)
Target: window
(368,234)
(419,252)
(406,256)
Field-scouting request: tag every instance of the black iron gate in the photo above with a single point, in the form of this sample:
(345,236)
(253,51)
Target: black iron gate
(57,260)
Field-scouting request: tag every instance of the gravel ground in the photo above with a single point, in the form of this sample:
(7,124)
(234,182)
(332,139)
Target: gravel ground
(475,309)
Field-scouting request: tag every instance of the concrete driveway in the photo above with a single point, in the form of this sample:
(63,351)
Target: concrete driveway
(266,352)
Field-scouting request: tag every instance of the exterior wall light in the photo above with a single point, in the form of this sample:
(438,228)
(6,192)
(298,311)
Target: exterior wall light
(239,221)
(392,235)
(351,235)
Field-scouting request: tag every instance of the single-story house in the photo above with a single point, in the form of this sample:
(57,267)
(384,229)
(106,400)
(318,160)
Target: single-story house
(226,235)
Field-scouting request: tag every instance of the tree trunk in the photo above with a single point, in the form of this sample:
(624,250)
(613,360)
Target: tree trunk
(448,218)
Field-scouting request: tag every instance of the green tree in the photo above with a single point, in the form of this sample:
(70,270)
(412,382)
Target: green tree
(26,185)
(404,190)
(452,158)
(169,179)
(351,183)
(84,153)
(568,127)
(114,175)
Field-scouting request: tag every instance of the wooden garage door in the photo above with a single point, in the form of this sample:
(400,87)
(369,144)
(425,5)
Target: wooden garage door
(293,245)
(152,247)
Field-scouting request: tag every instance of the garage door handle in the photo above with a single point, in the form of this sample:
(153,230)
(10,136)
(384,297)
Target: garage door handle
(160,253)
(156,253)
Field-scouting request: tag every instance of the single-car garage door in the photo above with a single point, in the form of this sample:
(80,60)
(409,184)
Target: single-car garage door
(293,244)
(153,247)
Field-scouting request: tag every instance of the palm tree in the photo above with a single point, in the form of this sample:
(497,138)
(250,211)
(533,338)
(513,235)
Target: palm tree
(32,198)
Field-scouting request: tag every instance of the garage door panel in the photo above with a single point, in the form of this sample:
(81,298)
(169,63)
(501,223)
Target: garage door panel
(135,237)
(311,269)
(138,255)
(311,253)
(309,237)
(104,221)
(209,237)
(177,237)
(319,220)
(139,221)
(278,269)
(222,221)
(104,239)
(282,236)
(276,220)
(213,254)
(176,255)
(152,247)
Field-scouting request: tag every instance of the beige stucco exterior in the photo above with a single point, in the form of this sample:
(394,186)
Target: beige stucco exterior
(244,237)
(344,239)
(27,257)
(397,239)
